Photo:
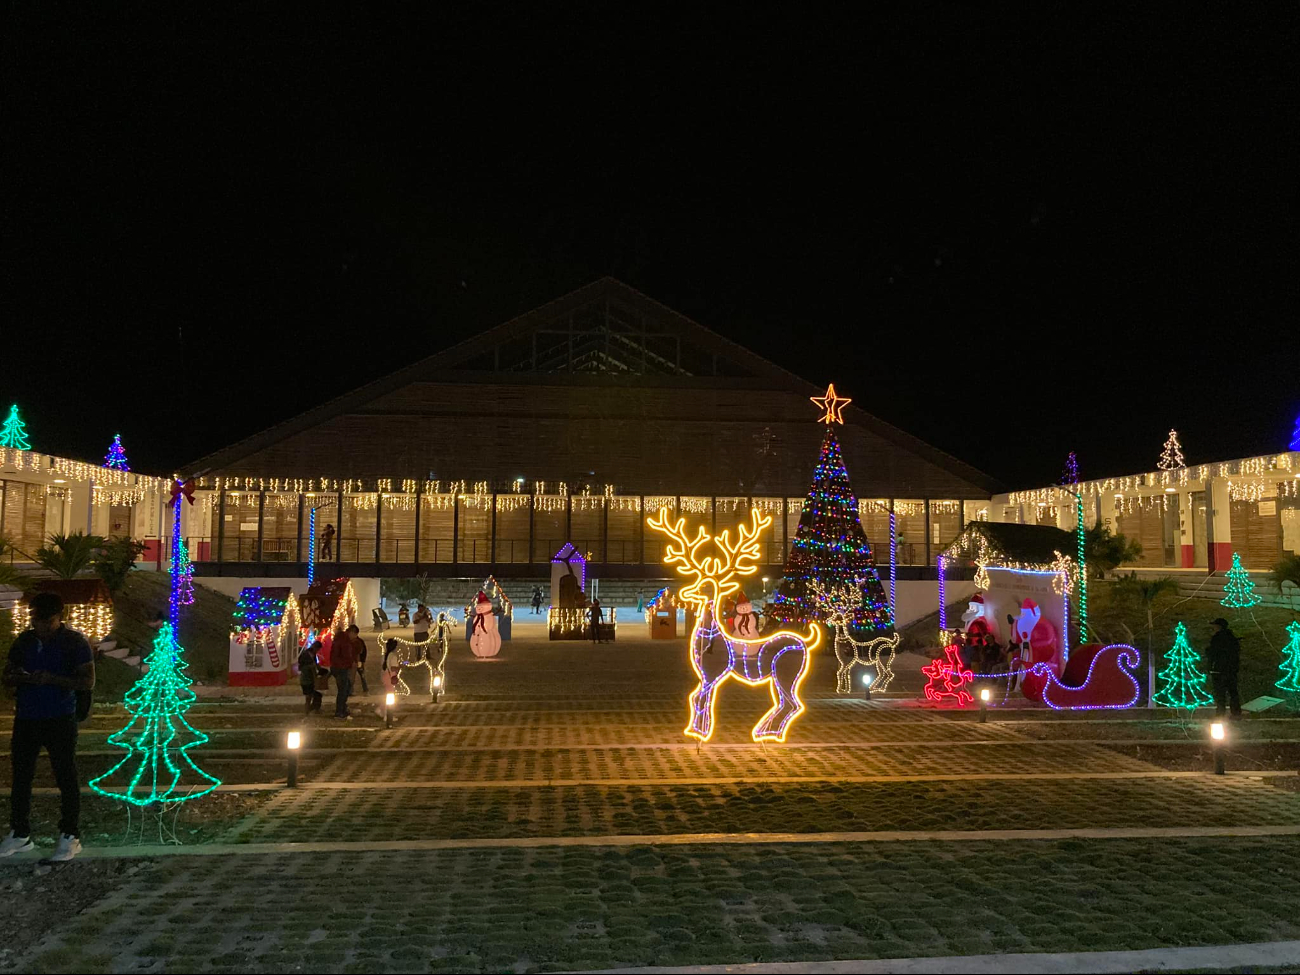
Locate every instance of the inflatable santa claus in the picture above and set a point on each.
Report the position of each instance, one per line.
(484, 640)
(1039, 644)
(978, 619)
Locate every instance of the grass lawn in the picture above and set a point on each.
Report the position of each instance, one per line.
(575, 909)
(204, 627)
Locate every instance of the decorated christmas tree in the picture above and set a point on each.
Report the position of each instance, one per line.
(13, 433)
(1290, 680)
(1182, 683)
(830, 545)
(116, 456)
(1172, 458)
(1071, 473)
(157, 767)
(1239, 593)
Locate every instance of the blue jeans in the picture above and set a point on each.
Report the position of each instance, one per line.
(343, 681)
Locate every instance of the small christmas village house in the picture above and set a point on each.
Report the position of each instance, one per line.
(263, 636)
(324, 608)
(87, 606)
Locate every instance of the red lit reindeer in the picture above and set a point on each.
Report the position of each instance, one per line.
(779, 660)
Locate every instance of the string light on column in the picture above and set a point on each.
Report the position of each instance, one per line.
(311, 548)
(943, 600)
(1080, 536)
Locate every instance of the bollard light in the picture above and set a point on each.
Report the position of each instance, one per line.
(437, 680)
(868, 678)
(1216, 731)
(985, 695)
(1216, 737)
(294, 744)
(389, 700)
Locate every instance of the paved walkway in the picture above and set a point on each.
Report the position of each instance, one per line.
(679, 839)
(1271, 953)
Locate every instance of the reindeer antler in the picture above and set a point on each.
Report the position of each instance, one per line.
(682, 554)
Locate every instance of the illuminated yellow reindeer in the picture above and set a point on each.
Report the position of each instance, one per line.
(779, 660)
(838, 604)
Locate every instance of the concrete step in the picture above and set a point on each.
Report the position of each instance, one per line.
(118, 653)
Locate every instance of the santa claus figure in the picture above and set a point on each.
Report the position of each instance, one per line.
(1039, 644)
(484, 639)
(746, 618)
(978, 619)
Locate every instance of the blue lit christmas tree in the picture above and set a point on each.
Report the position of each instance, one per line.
(830, 545)
(13, 433)
(116, 456)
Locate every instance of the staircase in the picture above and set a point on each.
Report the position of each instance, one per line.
(1195, 584)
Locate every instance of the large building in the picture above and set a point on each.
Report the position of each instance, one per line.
(566, 423)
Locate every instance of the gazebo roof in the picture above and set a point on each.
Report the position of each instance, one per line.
(1007, 543)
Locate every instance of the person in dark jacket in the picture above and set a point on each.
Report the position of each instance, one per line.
(1225, 659)
(308, 667)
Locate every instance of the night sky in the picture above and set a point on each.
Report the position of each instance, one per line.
(964, 219)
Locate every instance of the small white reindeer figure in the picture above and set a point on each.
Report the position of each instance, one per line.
(838, 605)
(779, 660)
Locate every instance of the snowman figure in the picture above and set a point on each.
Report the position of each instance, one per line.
(746, 618)
(484, 639)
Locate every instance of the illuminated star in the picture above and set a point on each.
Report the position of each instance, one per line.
(832, 404)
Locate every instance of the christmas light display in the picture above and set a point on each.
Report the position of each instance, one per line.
(1183, 684)
(1295, 435)
(263, 631)
(1071, 473)
(1290, 680)
(837, 607)
(13, 434)
(1172, 457)
(1081, 563)
(94, 619)
(949, 678)
(779, 660)
(1108, 685)
(1239, 593)
(830, 545)
(115, 459)
(832, 405)
(186, 570)
(430, 654)
(180, 490)
(155, 737)
(311, 550)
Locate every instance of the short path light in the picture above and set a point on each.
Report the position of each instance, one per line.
(390, 699)
(1216, 737)
(436, 684)
(985, 694)
(294, 743)
(868, 678)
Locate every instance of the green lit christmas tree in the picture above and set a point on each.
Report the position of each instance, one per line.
(157, 767)
(830, 545)
(1291, 660)
(1182, 683)
(13, 433)
(1239, 593)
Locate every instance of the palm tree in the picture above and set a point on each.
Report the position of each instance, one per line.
(1288, 570)
(67, 556)
(1146, 592)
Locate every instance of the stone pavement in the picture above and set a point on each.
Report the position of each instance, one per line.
(550, 815)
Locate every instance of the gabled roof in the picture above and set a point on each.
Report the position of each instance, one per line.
(999, 543)
(603, 328)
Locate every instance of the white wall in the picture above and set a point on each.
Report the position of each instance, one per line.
(917, 598)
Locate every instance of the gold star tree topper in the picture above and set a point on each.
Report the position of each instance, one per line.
(832, 404)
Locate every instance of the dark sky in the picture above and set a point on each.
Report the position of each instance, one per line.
(968, 220)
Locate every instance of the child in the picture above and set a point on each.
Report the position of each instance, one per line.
(307, 668)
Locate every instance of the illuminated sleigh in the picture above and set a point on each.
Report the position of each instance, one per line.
(1095, 677)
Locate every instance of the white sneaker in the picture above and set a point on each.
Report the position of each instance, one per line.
(67, 848)
(15, 844)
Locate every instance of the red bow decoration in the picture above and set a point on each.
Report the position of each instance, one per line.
(182, 488)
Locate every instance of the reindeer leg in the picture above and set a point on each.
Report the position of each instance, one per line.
(700, 725)
(788, 667)
(845, 655)
(884, 668)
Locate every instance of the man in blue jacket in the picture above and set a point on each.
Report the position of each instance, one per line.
(48, 664)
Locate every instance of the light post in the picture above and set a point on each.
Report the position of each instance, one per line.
(1216, 738)
(294, 745)
(390, 699)
(984, 705)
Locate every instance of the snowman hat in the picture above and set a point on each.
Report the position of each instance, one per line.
(482, 597)
(741, 597)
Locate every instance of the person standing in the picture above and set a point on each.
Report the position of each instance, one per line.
(327, 542)
(342, 662)
(48, 665)
(307, 669)
(1225, 662)
(422, 620)
(597, 617)
(537, 600)
(359, 646)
